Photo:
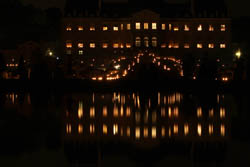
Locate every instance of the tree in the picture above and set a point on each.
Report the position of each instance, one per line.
(188, 66)
(2, 65)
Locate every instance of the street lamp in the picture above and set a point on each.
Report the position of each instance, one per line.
(238, 54)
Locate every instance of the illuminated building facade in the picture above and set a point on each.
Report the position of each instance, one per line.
(102, 32)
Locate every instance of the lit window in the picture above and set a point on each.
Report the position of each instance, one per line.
(80, 28)
(163, 131)
(68, 28)
(128, 45)
(116, 45)
(146, 26)
(186, 45)
(115, 28)
(105, 28)
(163, 45)
(199, 28)
(68, 45)
(170, 27)
(92, 28)
(122, 27)
(121, 46)
(154, 26)
(115, 112)
(137, 133)
(146, 41)
(138, 42)
(80, 52)
(211, 28)
(128, 131)
(105, 129)
(80, 45)
(92, 45)
(80, 129)
(163, 26)
(222, 45)
(211, 113)
(199, 129)
(137, 26)
(154, 132)
(199, 45)
(154, 42)
(154, 117)
(128, 26)
(105, 45)
(186, 28)
(176, 45)
(223, 27)
(171, 45)
(176, 28)
(211, 45)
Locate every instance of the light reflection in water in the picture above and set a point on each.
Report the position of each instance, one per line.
(139, 117)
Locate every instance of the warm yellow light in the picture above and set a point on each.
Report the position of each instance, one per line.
(223, 27)
(163, 45)
(137, 26)
(186, 46)
(238, 54)
(80, 28)
(199, 28)
(176, 28)
(100, 78)
(223, 46)
(186, 28)
(128, 112)
(80, 45)
(80, 129)
(145, 132)
(199, 129)
(186, 129)
(145, 26)
(105, 129)
(154, 26)
(128, 26)
(222, 112)
(170, 27)
(68, 28)
(116, 45)
(199, 112)
(163, 131)
(92, 45)
(163, 26)
(115, 28)
(105, 28)
(105, 45)
(92, 28)
(211, 45)
(222, 130)
(210, 129)
(128, 45)
(68, 128)
(92, 128)
(176, 129)
(80, 110)
(92, 112)
(154, 132)
(211, 28)
(199, 46)
(115, 129)
(68, 45)
(137, 133)
(128, 131)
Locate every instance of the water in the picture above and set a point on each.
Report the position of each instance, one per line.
(124, 129)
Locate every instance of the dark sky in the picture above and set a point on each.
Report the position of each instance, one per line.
(236, 7)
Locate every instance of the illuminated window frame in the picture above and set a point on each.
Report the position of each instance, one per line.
(80, 52)
(154, 26)
(80, 45)
(68, 28)
(91, 28)
(138, 42)
(128, 45)
(69, 45)
(105, 45)
(186, 45)
(176, 28)
(146, 26)
(128, 26)
(116, 28)
(199, 28)
(210, 45)
(163, 26)
(223, 27)
(154, 41)
(137, 25)
(210, 28)
(92, 45)
(80, 28)
(186, 27)
(199, 45)
(222, 45)
(105, 28)
(116, 45)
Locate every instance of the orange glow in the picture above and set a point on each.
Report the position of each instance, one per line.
(80, 110)
(199, 28)
(186, 46)
(163, 26)
(154, 132)
(68, 28)
(128, 131)
(186, 28)
(105, 129)
(105, 28)
(199, 129)
(146, 26)
(223, 27)
(80, 45)
(115, 28)
(210, 129)
(199, 112)
(92, 128)
(68, 45)
(104, 111)
(176, 28)
(211, 28)
(92, 112)
(116, 45)
(80, 28)
(222, 46)
(137, 133)
(186, 129)
(68, 128)
(105, 45)
(128, 112)
(222, 130)
(92, 28)
(154, 26)
(211, 45)
(145, 132)
(163, 131)
(176, 129)
(222, 112)
(80, 129)
(115, 129)
(199, 46)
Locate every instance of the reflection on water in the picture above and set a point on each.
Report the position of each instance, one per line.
(136, 118)
(141, 126)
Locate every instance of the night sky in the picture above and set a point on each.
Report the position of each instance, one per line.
(237, 7)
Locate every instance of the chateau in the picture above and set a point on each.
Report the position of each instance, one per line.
(100, 34)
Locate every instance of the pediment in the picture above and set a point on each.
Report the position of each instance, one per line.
(146, 14)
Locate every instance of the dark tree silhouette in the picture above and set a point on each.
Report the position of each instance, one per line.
(240, 69)
(208, 69)
(21, 69)
(2, 65)
(188, 66)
